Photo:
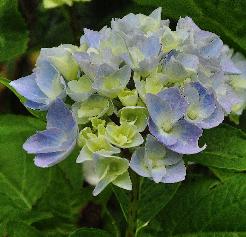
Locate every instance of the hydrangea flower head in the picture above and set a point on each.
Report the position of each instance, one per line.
(134, 96)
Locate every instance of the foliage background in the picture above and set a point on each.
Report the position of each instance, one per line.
(56, 201)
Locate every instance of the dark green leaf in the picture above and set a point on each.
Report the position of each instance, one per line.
(205, 205)
(226, 148)
(89, 232)
(20, 180)
(13, 34)
(20, 229)
(213, 234)
(153, 198)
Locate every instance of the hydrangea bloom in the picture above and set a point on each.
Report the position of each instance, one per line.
(141, 94)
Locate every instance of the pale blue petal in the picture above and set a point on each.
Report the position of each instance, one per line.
(213, 49)
(50, 140)
(92, 38)
(215, 119)
(167, 139)
(150, 47)
(229, 67)
(49, 80)
(84, 61)
(137, 163)
(187, 136)
(34, 105)
(27, 87)
(175, 173)
(59, 116)
(175, 100)
(160, 111)
(172, 158)
(45, 160)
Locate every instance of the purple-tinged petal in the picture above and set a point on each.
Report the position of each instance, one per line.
(172, 158)
(27, 87)
(165, 138)
(201, 102)
(229, 67)
(175, 173)
(167, 107)
(59, 116)
(175, 100)
(45, 160)
(49, 80)
(187, 136)
(215, 119)
(92, 38)
(213, 49)
(151, 47)
(160, 111)
(50, 140)
(137, 163)
(34, 105)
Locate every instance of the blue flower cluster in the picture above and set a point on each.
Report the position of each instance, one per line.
(137, 88)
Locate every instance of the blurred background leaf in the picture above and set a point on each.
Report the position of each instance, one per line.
(13, 33)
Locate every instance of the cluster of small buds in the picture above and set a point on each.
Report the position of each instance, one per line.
(134, 96)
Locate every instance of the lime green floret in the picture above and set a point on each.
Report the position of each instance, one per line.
(134, 115)
(94, 106)
(128, 97)
(84, 135)
(112, 169)
(124, 136)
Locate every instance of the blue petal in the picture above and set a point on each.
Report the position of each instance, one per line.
(175, 173)
(213, 49)
(34, 105)
(229, 67)
(137, 163)
(163, 137)
(92, 38)
(187, 136)
(215, 119)
(84, 61)
(45, 160)
(49, 80)
(151, 47)
(205, 100)
(59, 116)
(27, 87)
(160, 111)
(175, 100)
(50, 140)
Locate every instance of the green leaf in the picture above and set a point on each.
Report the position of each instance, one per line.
(20, 180)
(213, 234)
(226, 148)
(51, 198)
(220, 17)
(89, 232)
(203, 204)
(20, 229)
(13, 34)
(38, 114)
(153, 197)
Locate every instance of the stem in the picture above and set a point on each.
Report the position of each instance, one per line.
(133, 205)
